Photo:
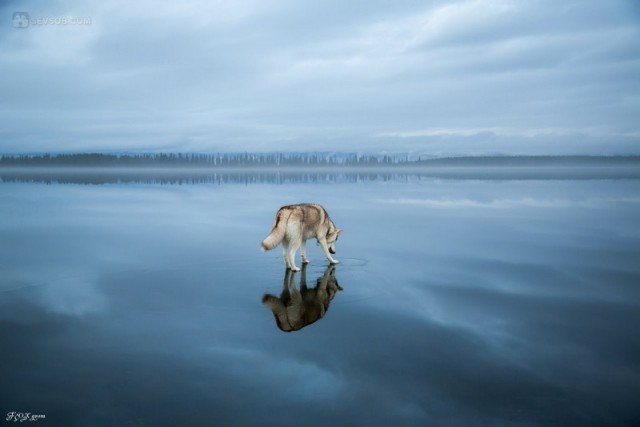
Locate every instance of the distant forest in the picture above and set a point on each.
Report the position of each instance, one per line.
(239, 160)
(199, 159)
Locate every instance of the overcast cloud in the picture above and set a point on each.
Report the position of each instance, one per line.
(437, 77)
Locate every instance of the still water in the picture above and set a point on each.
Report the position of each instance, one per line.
(457, 302)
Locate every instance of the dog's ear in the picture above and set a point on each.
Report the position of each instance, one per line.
(338, 231)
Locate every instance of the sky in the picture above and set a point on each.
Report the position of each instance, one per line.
(428, 77)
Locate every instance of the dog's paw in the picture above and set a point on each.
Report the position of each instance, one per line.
(334, 261)
(294, 269)
(305, 261)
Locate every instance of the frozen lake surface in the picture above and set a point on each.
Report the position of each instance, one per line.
(464, 301)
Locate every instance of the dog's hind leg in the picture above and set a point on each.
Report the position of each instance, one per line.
(292, 256)
(285, 254)
(303, 252)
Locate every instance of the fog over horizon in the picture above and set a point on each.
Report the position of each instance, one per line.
(459, 77)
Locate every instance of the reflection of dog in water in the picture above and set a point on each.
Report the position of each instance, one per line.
(296, 309)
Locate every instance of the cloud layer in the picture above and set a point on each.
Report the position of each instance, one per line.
(468, 76)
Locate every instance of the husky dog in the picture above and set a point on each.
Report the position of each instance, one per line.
(297, 223)
(295, 309)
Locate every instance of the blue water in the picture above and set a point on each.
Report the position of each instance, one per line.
(463, 302)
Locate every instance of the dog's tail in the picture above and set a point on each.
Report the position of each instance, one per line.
(277, 234)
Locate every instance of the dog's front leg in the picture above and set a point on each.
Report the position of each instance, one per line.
(325, 249)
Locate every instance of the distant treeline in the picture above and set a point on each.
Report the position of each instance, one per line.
(233, 160)
(198, 159)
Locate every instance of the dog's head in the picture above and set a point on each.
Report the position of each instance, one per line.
(332, 238)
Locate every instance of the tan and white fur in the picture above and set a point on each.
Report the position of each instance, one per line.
(294, 225)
